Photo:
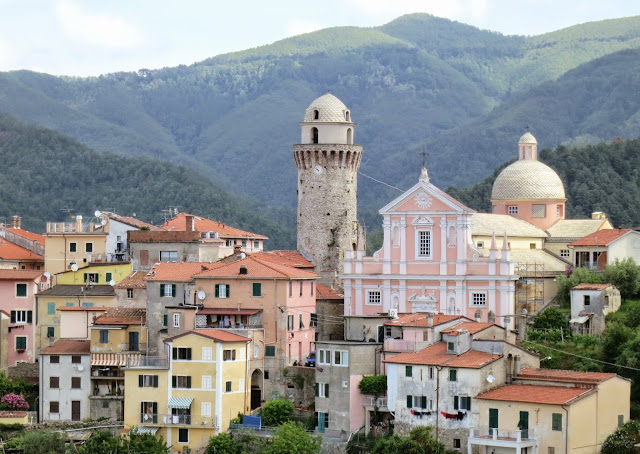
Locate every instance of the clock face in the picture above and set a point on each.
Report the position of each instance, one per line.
(318, 169)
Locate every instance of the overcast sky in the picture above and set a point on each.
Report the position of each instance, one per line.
(91, 37)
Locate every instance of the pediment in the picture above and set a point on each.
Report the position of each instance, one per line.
(424, 197)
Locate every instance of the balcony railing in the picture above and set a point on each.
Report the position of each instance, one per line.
(153, 362)
(164, 419)
(371, 401)
(484, 433)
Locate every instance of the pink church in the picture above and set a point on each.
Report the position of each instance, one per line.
(428, 263)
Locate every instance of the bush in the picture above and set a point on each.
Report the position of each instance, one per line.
(15, 402)
(291, 438)
(373, 384)
(223, 444)
(551, 319)
(276, 412)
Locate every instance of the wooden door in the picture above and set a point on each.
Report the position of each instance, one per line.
(75, 410)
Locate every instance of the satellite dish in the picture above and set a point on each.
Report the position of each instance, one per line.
(201, 295)
(80, 367)
(97, 213)
(112, 282)
(243, 255)
(47, 274)
(74, 267)
(103, 222)
(491, 378)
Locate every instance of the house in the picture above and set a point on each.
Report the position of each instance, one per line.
(550, 411)
(590, 303)
(194, 393)
(329, 317)
(566, 231)
(117, 249)
(150, 247)
(76, 321)
(132, 290)
(604, 247)
(65, 368)
(15, 234)
(13, 256)
(97, 273)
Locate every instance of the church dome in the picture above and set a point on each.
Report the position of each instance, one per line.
(527, 179)
(527, 138)
(327, 108)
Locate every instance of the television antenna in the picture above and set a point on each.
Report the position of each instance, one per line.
(67, 210)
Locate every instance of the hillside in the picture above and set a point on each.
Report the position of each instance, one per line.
(463, 93)
(44, 171)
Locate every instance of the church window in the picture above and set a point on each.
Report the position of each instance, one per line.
(559, 211)
(478, 299)
(374, 298)
(316, 114)
(512, 209)
(349, 137)
(314, 135)
(539, 211)
(347, 116)
(424, 244)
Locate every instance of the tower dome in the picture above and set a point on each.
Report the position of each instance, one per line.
(327, 121)
(327, 108)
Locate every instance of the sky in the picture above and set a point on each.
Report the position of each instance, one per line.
(93, 37)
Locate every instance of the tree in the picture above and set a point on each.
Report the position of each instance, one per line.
(276, 412)
(419, 441)
(551, 318)
(144, 444)
(101, 442)
(578, 276)
(223, 444)
(622, 441)
(373, 384)
(41, 442)
(625, 275)
(291, 438)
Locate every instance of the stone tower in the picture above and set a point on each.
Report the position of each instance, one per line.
(328, 163)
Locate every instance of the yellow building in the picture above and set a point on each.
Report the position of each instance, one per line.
(96, 273)
(194, 393)
(551, 411)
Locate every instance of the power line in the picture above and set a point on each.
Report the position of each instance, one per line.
(381, 182)
(584, 357)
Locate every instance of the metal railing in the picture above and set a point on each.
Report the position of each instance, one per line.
(501, 433)
(164, 419)
(155, 362)
(371, 401)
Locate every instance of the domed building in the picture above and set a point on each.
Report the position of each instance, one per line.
(529, 189)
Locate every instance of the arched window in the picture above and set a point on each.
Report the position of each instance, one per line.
(349, 137)
(347, 116)
(314, 135)
(316, 114)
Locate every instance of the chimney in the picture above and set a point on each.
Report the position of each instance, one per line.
(16, 222)
(78, 223)
(516, 365)
(189, 223)
(430, 319)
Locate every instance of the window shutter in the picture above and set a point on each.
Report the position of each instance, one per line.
(469, 403)
(409, 401)
(140, 381)
(175, 353)
(173, 289)
(174, 381)
(85, 277)
(155, 381)
(188, 353)
(455, 402)
(29, 317)
(317, 389)
(423, 402)
(326, 390)
(109, 277)
(141, 407)
(161, 289)
(189, 382)
(228, 290)
(97, 277)
(165, 319)
(13, 316)
(217, 290)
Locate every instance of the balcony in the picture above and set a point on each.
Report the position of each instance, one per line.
(164, 419)
(371, 401)
(499, 437)
(149, 362)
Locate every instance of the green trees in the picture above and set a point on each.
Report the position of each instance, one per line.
(223, 444)
(104, 443)
(622, 441)
(373, 384)
(419, 441)
(551, 318)
(291, 438)
(625, 275)
(566, 283)
(276, 412)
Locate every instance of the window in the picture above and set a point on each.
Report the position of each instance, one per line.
(559, 211)
(408, 371)
(300, 323)
(450, 347)
(539, 211)
(256, 244)
(21, 317)
(205, 409)
(147, 381)
(165, 320)
(206, 382)
(620, 420)
(424, 243)
(227, 386)
(207, 353)
(181, 381)
(76, 359)
(54, 359)
(478, 299)
(532, 245)
(453, 374)
(493, 418)
(419, 401)
(228, 355)
(324, 357)
(54, 382)
(108, 277)
(129, 293)
(374, 298)
(76, 382)
(587, 300)
(266, 375)
(104, 336)
(54, 407)
(176, 320)
(257, 289)
(51, 332)
(316, 114)
(564, 253)
(51, 308)
(21, 290)
(512, 209)
(556, 421)
(551, 450)
(314, 320)
(456, 444)
(321, 419)
(149, 412)
(312, 287)
(322, 389)
(256, 350)
(341, 358)
(222, 290)
(168, 290)
(88, 247)
(183, 435)
(301, 288)
(168, 256)
(430, 373)
(461, 403)
(181, 353)
(270, 350)
(290, 322)
(73, 247)
(21, 342)
(244, 243)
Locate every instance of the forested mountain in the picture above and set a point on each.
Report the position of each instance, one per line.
(603, 177)
(44, 171)
(463, 93)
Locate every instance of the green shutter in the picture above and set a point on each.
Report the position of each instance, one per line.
(556, 421)
(189, 381)
(85, 278)
(161, 289)
(317, 389)
(175, 353)
(155, 381)
(326, 390)
(13, 316)
(270, 350)
(423, 402)
(29, 317)
(217, 290)
(174, 381)
(257, 289)
(455, 403)
(409, 401)
(165, 319)
(453, 375)
(228, 290)
(51, 308)
(173, 290)
(408, 371)
(188, 353)
(469, 403)
(109, 277)
(493, 418)
(140, 381)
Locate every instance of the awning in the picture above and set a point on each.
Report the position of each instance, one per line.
(115, 359)
(580, 320)
(180, 402)
(144, 430)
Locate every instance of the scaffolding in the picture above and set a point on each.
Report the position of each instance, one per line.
(530, 287)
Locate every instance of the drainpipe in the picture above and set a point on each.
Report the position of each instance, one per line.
(438, 368)
(566, 435)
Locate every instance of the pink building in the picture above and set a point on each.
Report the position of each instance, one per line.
(428, 263)
(17, 298)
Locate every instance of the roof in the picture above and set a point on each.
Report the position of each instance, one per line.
(527, 138)
(179, 222)
(177, 271)
(134, 280)
(28, 235)
(79, 290)
(436, 355)
(539, 394)
(575, 228)
(565, 376)
(122, 316)
(486, 224)
(10, 251)
(552, 263)
(218, 335)
(601, 237)
(256, 268)
(422, 320)
(68, 346)
(587, 286)
(129, 220)
(330, 109)
(528, 179)
(29, 275)
(324, 292)
(288, 258)
(468, 327)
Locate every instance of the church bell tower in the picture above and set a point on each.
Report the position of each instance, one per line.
(328, 162)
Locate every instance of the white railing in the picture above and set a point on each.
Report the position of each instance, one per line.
(495, 433)
(371, 401)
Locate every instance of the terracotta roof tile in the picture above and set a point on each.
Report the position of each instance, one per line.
(81, 308)
(422, 320)
(201, 224)
(436, 355)
(256, 268)
(177, 271)
(68, 346)
(601, 237)
(28, 235)
(288, 258)
(327, 293)
(79, 290)
(471, 327)
(566, 376)
(134, 280)
(538, 394)
(587, 286)
(218, 335)
(20, 274)
(13, 414)
(122, 316)
(10, 251)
